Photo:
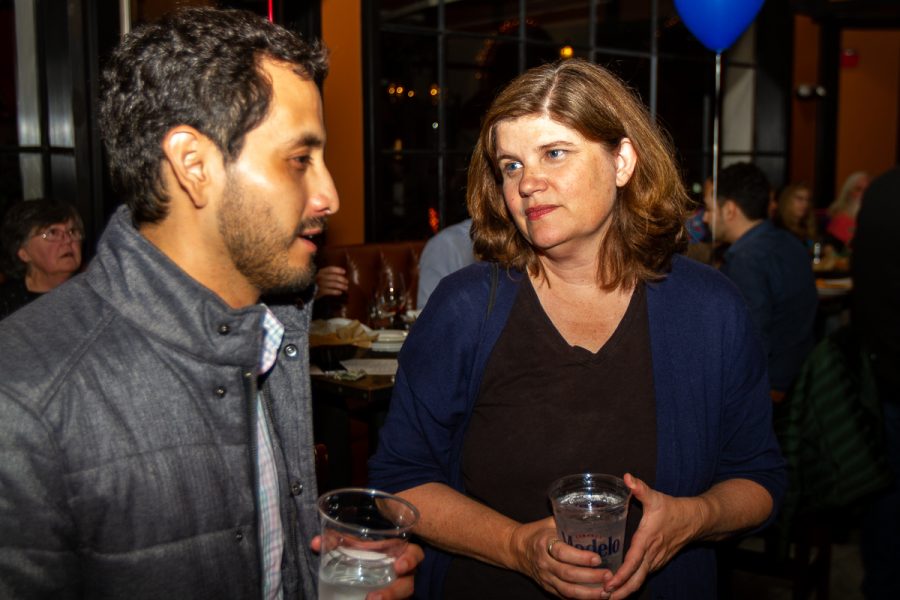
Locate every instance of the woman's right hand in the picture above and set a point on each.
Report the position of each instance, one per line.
(560, 569)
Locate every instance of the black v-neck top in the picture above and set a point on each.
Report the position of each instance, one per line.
(547, 409)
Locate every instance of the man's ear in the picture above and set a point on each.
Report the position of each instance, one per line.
(23, 255)
(192, 158)
(729, 208)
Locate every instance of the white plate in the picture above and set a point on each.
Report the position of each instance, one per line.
(339, 322)
(391, 335)
(386, 346)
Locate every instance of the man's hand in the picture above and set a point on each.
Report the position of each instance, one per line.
(404, 566)
(331, 281)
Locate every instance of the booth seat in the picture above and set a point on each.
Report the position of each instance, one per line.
(364, 264)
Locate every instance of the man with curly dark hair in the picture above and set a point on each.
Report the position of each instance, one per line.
(155, 417)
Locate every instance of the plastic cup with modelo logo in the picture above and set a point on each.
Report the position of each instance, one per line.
(363, 533)
(590, 511)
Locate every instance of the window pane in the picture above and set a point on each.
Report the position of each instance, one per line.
(498, 17)
(560, 21)
(469, 88)
(456, 171)
(634, 71)
(674, 37)
(10, 181)
(540, 54)
(685, 108)
(408, 12)
(406, 113)
(407, 187)
(624, 24)
(8, 113)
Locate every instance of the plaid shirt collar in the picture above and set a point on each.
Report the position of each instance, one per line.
(273, 332)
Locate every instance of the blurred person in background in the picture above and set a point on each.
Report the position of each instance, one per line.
(41, 249)
(770, 267)
(842, 212)
(448, 251)
(794, 213)
(876, 319)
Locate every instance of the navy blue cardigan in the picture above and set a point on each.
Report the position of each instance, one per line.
(713, 410)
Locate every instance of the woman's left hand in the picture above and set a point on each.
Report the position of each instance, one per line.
(667, 525)
(404, 566)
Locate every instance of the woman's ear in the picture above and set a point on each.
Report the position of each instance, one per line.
(191, 157)
(626, 160)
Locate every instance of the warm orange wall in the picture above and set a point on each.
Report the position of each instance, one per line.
(342, 33)
(868, 104)
(803, 112)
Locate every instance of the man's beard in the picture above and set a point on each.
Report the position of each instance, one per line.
(258, 245)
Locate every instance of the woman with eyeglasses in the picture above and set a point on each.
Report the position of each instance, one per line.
(41, 249)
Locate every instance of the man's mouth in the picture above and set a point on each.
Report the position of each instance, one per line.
(312, 230)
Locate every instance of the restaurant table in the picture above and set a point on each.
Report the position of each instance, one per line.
(835, 291)
(347, 416)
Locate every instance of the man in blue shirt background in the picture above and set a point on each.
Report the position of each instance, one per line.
(770, 267)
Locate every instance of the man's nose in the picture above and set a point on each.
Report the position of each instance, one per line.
(323, 194)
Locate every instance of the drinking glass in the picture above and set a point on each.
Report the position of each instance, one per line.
(363, 533)
(390, 298)
(590, 511)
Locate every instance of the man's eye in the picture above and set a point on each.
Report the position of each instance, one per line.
(301, 162)
(556, 153)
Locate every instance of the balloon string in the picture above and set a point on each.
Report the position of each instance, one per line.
(715, 145)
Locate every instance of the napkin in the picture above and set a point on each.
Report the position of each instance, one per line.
(340, 332)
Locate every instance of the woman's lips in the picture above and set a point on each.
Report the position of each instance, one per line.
(536, 212)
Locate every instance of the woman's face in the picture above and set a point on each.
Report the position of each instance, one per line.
(559, 187)
(798, 206)
(859, 187)
(52, 258)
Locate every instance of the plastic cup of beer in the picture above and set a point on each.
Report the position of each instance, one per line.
(590, 511)
(363, 533)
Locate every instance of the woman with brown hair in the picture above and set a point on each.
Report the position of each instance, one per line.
(582, 343)
(795, 213)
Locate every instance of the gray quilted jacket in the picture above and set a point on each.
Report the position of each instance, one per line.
(127, 464)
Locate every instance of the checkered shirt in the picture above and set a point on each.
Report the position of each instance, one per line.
(271, 534)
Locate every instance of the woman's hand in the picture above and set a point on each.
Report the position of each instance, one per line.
(667, 525)
(331, 281)
(404, 566)
(559, 568)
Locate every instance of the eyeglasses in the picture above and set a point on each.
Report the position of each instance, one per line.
(59, 234)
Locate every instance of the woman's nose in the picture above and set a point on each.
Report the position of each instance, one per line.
(532, 181)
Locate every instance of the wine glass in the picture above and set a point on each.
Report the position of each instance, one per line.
(390, 297)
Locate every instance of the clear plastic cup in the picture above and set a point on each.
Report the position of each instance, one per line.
(590, 511)
(363, 533)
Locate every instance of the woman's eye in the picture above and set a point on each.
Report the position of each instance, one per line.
(556, 153)
(511, 167)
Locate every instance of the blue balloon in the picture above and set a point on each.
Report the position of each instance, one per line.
(718, 23)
